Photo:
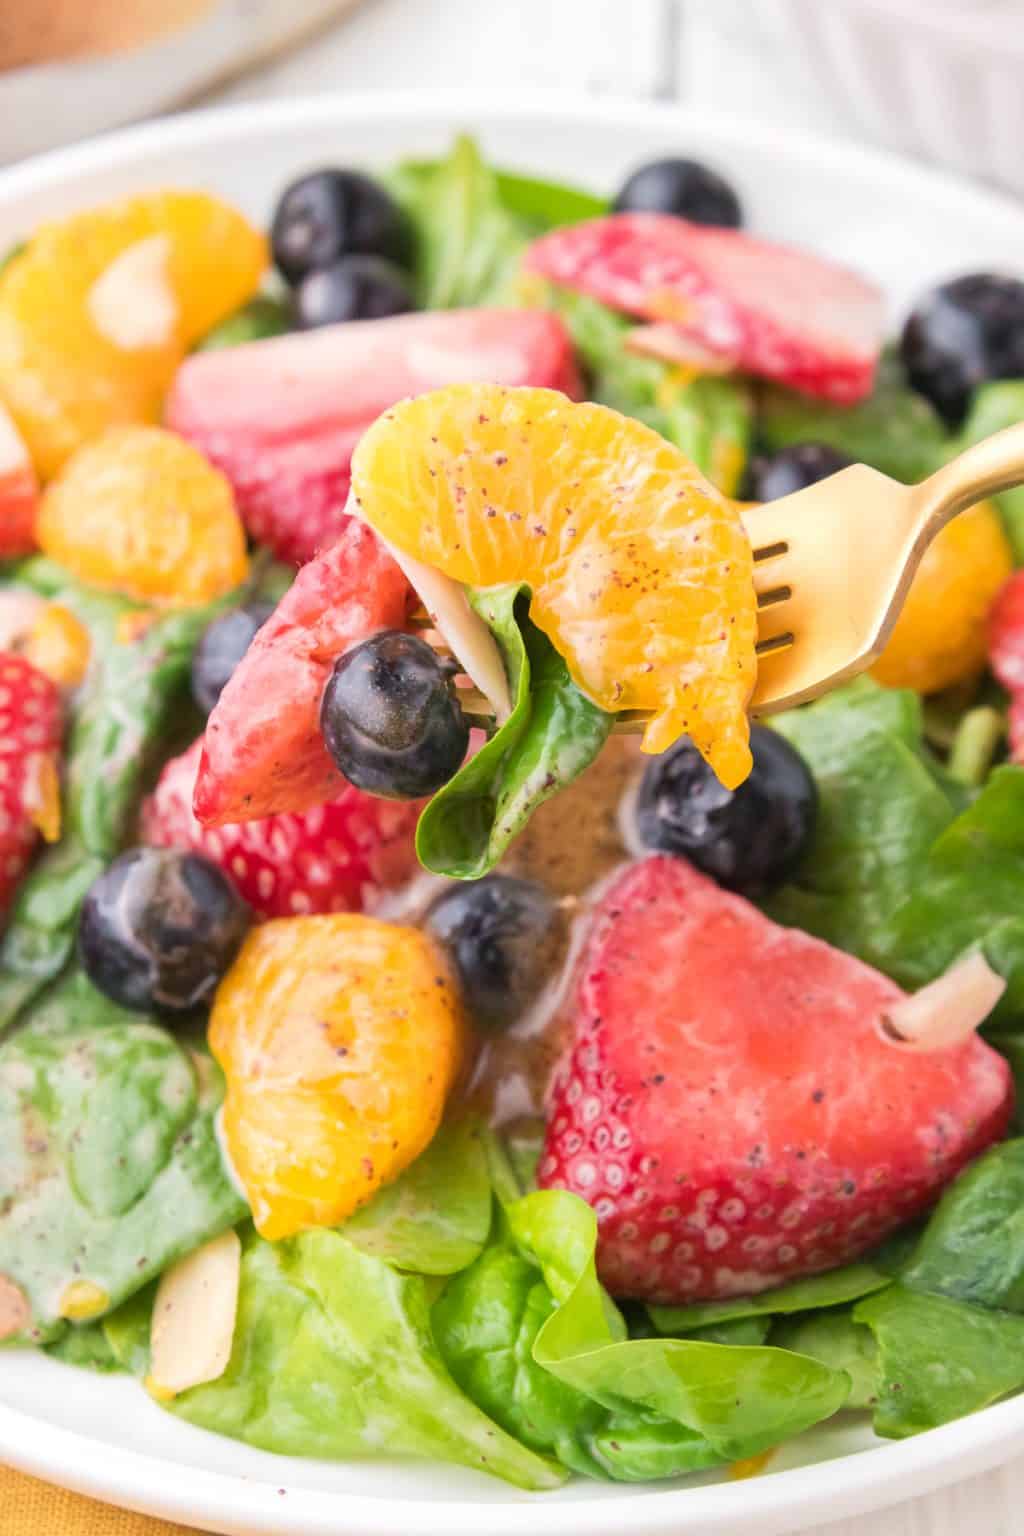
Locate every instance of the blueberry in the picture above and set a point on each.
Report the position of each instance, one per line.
(334, 213)
(748, 839)
(683, 187)
(221, 647)
(500, 933)
(391, 719)
(159, 928)
(961, 335)
(792, 469)
(354, 288)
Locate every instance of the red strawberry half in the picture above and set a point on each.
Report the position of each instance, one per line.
(769, 309)
(338, 857)
(729, 1106)
(263, 752)
(30, 732)
(281, 417)
(1006, 655)
(19, 492)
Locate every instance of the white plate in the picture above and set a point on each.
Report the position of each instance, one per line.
(904, 225)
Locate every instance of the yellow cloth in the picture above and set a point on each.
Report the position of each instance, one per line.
(31, 1508)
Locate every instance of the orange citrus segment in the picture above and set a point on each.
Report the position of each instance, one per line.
(98, 311)
(142, 512)
(340, 1038)
(58, 645)
(641, 573)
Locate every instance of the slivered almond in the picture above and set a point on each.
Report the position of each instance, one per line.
(947, 1011)
(194, 1318)
(132, 302)
(15, 1312)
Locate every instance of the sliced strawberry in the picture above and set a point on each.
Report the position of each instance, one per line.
(772, 310)
(30, 732)
(263, 752)
(281, 417)
(19, 492)
(1006, 655)
(729, 1105)
(338, 857)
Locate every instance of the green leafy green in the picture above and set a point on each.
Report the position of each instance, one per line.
(126, 1330)
(468, 243)
(973, 1246)
(994, 407)
(123, 713)
(435, 1217)
(894, 430)
(838, 1342)
(109, 1164)
(86, 1346)
(543, 205)
(334, 1357)
(938, 1359)
(258, 320)
(828, 1290)
(709, 419)
(895, 875)
(531, 1335)
(552, 734)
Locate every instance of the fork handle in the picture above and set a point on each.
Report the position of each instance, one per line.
(993, 465)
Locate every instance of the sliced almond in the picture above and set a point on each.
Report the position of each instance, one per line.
(471, 642)
(194, 1318)
(15, 1312)
(949, 1010)
(132, 302)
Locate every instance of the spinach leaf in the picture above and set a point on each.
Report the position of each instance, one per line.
(468, 243)
(895, 875)
(938, 1359)
(828, 1290)
(973, 1246)
(994, 407)
(86, 1346)
(544, 204)
(109, 1164)
(334, 1357)
(530, 1334)
(894, 430)
(553, 733)
(709, 419)
(435, 1217)
(838, 1342)
(123, 712)
(126, 1331)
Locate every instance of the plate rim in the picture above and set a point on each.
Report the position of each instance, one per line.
(786, 1500)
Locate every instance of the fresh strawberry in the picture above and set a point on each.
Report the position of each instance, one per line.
(338, 857)
(729, 1105)
(263, 752)
(769, 309)
(30, 731)
(1006, 655)
(281, 417)
(19, 492)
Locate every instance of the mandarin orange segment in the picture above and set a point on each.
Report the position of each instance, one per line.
(142, 512)
(98, 311)
(340, 1038)
(642, 575)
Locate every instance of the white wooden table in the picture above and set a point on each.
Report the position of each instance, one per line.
(640, 48)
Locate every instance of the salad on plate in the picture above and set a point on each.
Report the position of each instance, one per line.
(434, 1021)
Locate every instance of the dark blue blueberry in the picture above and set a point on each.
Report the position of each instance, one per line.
(502, 934)
(221, 647)
(792, 469)
(159, 928)
(391, 719)
(749, 839)
(354, 288)
(332, 213)
(686, 188)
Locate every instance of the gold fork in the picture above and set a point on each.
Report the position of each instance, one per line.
(832, 568)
